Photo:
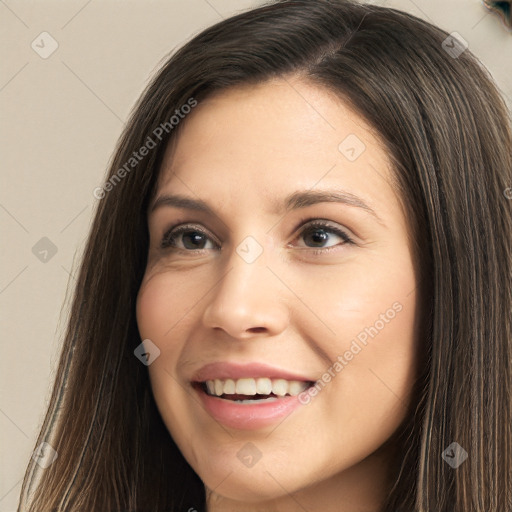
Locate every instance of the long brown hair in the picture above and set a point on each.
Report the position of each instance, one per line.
(447, 131)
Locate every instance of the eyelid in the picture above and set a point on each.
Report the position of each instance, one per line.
(180, 227)
(308, 222)
(302, 227)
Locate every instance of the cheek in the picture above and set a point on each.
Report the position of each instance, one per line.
(371, 312)
(149, 309)
(159, 310)
(162, 307)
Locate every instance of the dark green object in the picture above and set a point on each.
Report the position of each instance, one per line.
(503, 9)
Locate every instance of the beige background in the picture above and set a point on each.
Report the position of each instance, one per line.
(61, 117)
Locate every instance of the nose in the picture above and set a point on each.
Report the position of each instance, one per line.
(248, 300)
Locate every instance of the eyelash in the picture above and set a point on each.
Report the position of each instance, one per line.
(170, 236)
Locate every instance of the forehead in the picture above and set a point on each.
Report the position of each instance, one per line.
(258, 143)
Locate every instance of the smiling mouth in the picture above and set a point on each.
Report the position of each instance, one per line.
(252, 390)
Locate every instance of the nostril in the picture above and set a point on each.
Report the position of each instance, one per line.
(257, 329)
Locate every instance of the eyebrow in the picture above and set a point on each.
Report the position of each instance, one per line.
(294, 201)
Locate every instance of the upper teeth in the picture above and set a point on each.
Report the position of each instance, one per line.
(261, 386)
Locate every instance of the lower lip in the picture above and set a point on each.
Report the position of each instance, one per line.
(248, 416)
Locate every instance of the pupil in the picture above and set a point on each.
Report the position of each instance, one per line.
(193, 235)
(319, 236)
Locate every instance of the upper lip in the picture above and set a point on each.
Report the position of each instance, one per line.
(226, 370)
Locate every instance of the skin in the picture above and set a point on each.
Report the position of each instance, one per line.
(243, 150)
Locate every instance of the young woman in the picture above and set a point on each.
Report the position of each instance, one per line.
(296, 291)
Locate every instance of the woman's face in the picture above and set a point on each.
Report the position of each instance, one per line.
(253, 296)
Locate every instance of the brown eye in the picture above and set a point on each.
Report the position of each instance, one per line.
(191, 238)
(319, 233)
